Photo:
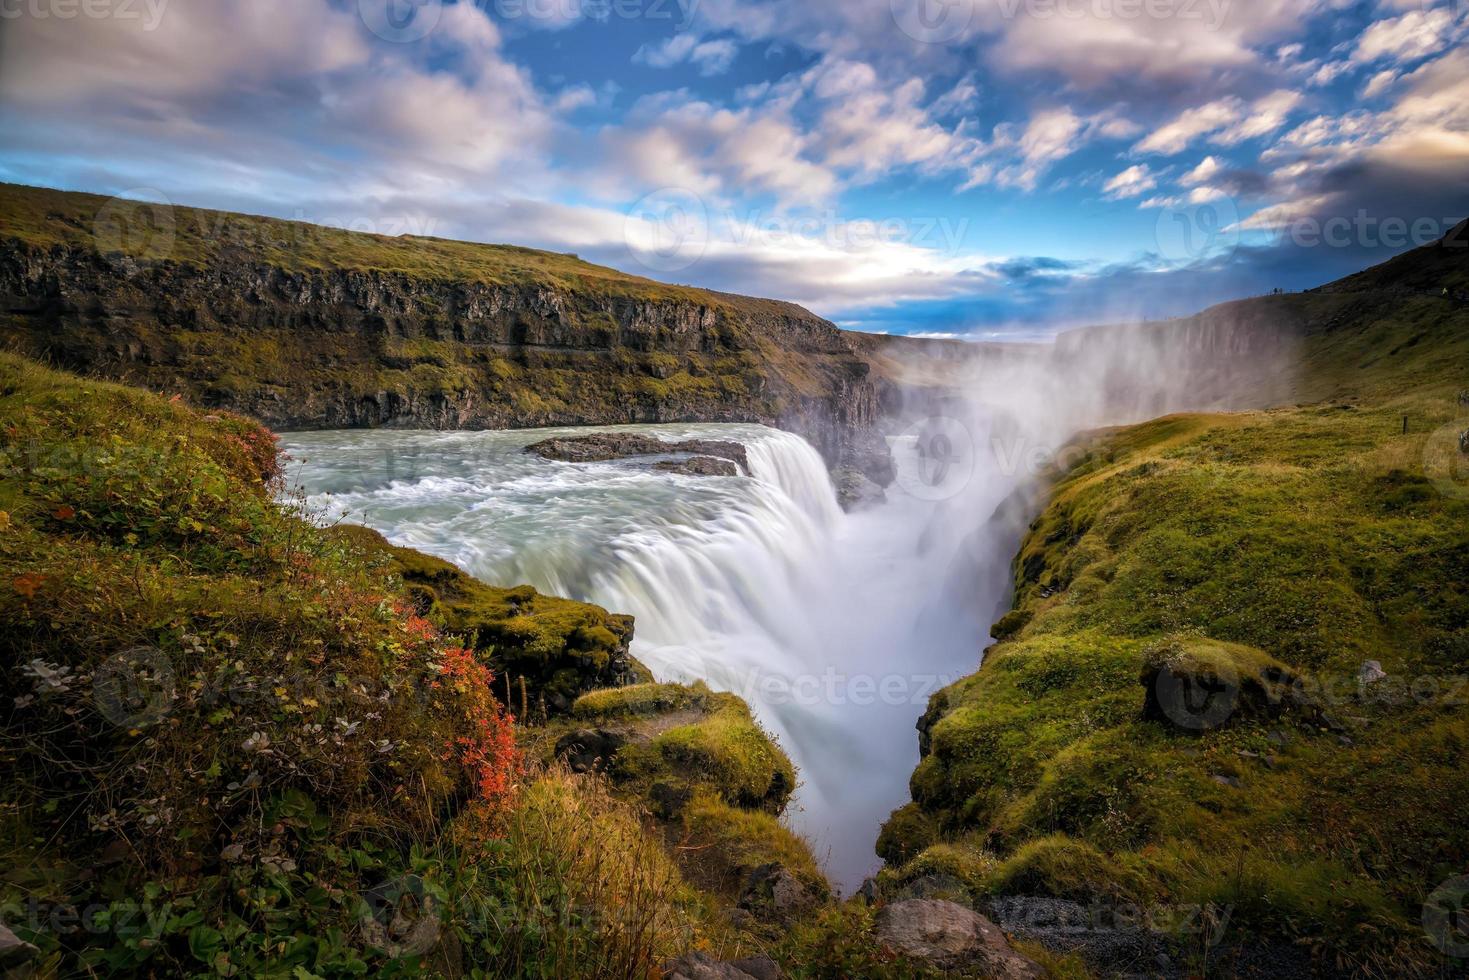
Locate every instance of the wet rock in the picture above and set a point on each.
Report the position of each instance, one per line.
(950, 936)
(855, 491)
(702, 966)
(601, 447)
(589, 748)
(14, 951)
(773, 892)
(699, 466)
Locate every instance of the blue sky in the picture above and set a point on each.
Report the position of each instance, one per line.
(978, 168)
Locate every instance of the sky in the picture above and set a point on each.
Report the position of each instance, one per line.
(987, 169)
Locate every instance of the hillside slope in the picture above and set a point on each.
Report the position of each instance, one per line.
(239, 744)
(303, 326)
(1186, 708)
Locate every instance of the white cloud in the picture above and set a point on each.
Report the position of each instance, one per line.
(1206, 171)
(1416, 34)
(1379, 83)
(1225, 121)
(710, 57)
(1264, 117)
(1132, 182)
(1191, 124)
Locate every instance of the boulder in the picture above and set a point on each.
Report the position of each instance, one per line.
(855, 491)
(14, 951)
(589, 748)
(702, 966)
(952, 937)
(699, 466)
(1371, 673)
(601, 447)
(773, 892)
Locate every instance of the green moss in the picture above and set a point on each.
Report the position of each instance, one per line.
(640, 699)
(560, 647)
(720, 845)
(908, 831)
(1262, 557)
(725, 750)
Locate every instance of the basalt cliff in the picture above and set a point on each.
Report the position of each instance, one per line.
(308, 327)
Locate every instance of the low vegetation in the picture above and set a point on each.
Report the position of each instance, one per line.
(1185, 706)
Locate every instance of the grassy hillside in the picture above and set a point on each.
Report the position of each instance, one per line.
(236, 744)
(1176, 712)
(45, 218)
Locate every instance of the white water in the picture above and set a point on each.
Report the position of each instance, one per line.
(837, 628)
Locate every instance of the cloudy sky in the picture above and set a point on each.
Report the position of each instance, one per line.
(986, 168)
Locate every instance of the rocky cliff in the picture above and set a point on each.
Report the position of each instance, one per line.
(308, 327)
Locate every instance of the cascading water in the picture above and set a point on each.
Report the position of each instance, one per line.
(836, 628)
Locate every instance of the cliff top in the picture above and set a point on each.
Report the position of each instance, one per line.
(45, 218)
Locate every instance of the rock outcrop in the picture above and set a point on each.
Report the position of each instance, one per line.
(952, 937)
(305, 327)
(604, 446)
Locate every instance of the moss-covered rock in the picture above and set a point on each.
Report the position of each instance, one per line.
(561, 648)
(904, 834)
(678, 742)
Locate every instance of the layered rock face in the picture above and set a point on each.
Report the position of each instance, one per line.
(419, 334)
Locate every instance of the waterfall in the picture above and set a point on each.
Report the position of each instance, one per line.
(835, 628)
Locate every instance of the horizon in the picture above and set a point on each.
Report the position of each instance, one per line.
(997, 170)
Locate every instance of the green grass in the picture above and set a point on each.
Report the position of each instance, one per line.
(231, 736)
(1277, 550)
